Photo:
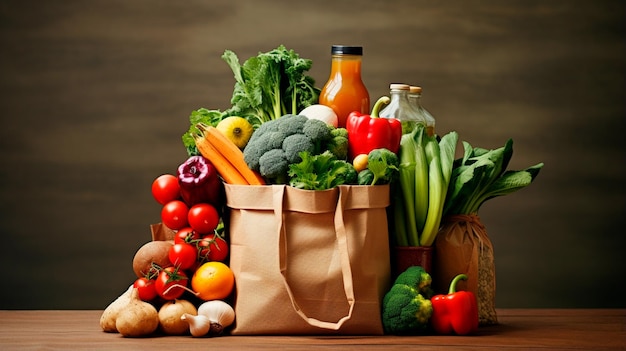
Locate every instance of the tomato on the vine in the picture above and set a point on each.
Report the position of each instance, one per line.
(145, 289)
(171, 283)
(165, 188)
(183, 255)
(212, 247)
(186, 235)
(203, 218)
(174, 214)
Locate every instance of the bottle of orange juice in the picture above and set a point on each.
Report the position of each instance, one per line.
(345, 92)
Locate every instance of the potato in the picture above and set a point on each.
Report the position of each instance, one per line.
(108, 317)
(152, 251)
(169, 316)
(138, 318)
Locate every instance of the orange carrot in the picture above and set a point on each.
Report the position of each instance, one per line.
(231, 152)
(225, 169)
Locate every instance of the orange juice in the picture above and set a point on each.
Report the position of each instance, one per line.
(345, 92)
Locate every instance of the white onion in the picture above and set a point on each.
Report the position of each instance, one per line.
(321, 112)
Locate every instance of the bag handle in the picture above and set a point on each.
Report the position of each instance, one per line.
(344, 256)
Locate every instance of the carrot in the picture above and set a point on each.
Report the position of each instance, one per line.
(226, 170)
(230, 152)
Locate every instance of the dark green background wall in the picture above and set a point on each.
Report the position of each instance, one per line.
(94, 96)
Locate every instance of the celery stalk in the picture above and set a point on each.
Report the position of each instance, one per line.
(420, 195)
(399, 223)
(437, 189)
(407, 185)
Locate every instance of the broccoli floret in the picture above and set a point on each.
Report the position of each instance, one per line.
(318, 131)
(262, 143)
(405, 310)
(294, 144)
(338, 143)
(291, 124)
(417, 277)
(274, 165)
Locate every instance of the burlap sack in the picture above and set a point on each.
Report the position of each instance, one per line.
(463, 246)
(308, 262)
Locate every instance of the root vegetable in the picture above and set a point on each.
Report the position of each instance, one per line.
(170, 314)
(151, 252)
(138, 318)
(108, 317)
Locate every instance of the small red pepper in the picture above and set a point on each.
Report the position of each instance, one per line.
(368, 132)
(455, 313)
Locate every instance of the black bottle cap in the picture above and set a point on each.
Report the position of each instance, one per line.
(346, 50)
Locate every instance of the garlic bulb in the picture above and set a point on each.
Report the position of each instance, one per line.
(221, 315)
(198, 325)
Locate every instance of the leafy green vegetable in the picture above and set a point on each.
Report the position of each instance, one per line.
(271, 84)
(267, 86)
(383, 164)
(481, 175)
(320, 172)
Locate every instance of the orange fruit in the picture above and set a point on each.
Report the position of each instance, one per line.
(213, 281)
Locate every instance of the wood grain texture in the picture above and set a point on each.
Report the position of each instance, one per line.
(548, 329)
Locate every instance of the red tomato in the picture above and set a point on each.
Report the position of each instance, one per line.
(183, 255)
(145, 289)
(212, 247)
(203, 218)
(165, 188)
(186, 235)
(171, 283)
(174, 214)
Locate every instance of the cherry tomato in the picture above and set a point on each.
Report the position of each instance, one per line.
(186, 235)
(203, 218)
(165, 188)
(145, 289)
(183, 255)
(212, 247)
(171, 283)
(174, 214)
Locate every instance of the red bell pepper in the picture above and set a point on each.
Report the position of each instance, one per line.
(368, 132)
(455, 313)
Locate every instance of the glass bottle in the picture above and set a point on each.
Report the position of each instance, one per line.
(400, 107)
(415, 93)
(345, 91)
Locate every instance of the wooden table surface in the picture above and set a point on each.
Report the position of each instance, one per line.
(547, 329)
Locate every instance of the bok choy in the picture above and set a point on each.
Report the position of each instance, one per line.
(481, 175)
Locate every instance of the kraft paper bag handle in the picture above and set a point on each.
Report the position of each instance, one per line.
(344, 257)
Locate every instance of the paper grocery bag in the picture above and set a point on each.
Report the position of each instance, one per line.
(463, 246)
(308, 262)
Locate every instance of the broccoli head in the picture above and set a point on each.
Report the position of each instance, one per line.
(291, 135)
(418, 278)
(405, 311)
